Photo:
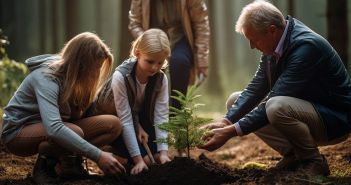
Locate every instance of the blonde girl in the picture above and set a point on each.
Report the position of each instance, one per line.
(140, 91)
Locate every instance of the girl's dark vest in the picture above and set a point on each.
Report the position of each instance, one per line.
(145, 116)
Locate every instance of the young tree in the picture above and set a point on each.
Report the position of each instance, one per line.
(183, 127)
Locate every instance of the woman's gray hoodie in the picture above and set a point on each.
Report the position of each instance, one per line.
(36, 101)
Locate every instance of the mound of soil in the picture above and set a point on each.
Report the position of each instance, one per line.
(182, 171)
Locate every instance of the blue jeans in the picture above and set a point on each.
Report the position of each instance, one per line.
(181, 62)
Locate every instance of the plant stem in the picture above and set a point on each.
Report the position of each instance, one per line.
(187, 141)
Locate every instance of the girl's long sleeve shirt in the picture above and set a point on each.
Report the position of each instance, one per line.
(124, 111)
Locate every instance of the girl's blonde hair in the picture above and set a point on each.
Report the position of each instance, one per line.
(78, 71)
(152, 41)
(259, 14)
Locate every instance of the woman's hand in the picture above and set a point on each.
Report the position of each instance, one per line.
(162, 157)
(139, 166)
(109, 164)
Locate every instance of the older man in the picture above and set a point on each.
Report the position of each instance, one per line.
(299, 98)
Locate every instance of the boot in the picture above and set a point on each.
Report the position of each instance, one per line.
(317, 166)
(71, 166)
(288, 162)
(44, 170)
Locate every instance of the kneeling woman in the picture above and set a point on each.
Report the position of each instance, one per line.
(44, 115)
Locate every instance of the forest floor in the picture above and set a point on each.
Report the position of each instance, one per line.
(242, 160)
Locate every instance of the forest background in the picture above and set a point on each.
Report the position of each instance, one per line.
(35, 27)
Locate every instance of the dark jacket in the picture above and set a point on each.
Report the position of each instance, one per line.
(309, 69)
(153, 87)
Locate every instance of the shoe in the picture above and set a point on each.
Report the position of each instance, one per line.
(71, 167)
(289, 162)
(317, 166)
(44, 170)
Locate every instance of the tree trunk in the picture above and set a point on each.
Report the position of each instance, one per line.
(72, 7)
(338, 27)
(214, 86)
(125, 37)
(228, 37)
(98, 17)
(43, 26)
(291, 7)
(54, 24)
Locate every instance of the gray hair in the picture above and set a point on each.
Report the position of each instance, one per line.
(259, 14)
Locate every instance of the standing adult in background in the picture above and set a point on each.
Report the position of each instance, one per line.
(186, 24)
(299, 98)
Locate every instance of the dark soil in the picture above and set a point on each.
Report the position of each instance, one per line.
(244, 160)
(182, 171)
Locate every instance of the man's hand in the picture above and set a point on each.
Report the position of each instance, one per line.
(217, 124)
(109, 164)
(217, 137)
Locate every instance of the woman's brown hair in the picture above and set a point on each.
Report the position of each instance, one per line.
(86, 64)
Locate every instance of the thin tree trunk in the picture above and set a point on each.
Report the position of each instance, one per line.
(291, 7)
(214, 86)
(228, 35)
(125, 37)
(338, 27)
(98, 17)
(42, 26)
(71, 18)
(54, 24)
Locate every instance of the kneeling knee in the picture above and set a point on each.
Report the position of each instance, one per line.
(231, 99)
(275, 108)
(115, 125)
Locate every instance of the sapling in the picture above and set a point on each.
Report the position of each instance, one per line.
(183, 127)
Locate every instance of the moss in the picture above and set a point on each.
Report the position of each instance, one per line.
(254, 165)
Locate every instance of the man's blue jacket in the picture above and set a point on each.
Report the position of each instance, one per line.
(309, 69)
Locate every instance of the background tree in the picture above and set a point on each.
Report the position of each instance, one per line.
(291, 8)
(71, 18)
(338, 33)
(214, 87)
(125, 35)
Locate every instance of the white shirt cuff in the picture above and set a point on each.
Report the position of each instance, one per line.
(162, 146)
(238, 129)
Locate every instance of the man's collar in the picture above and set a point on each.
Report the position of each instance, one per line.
(278, 52)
